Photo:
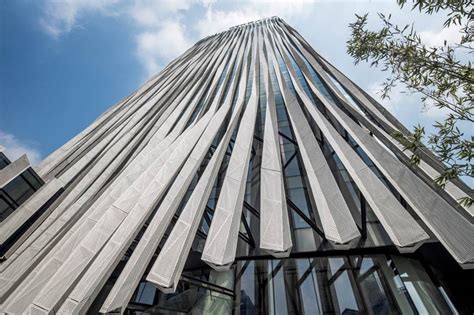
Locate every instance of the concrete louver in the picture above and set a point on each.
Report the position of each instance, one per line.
(403, 229)
(384, 117)
(132, 273)
(100, 270)
(136, 202)
(13, 170)
(221, 242)
(127, 175)
(337, 221)
(19, 217)
(275, 232)
(159, 142)
(453, 229)
(167, 268)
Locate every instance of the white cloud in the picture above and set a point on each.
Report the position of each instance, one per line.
(61, 16)
(14, 148)
(395, 100)
(156, 47)
(407, 106)
(411, 111)
(159, 38)
(433, 112)
(151, 13)
(160, 33)
(218, 20)
(435, 38)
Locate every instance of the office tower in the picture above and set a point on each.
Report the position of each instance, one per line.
(248, 176)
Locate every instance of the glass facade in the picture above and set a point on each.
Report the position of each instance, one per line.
(4, 161)
(351, 284)
(136, 231)
(315, 283)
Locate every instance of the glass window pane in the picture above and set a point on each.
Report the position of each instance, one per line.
(344, 297)
(247, 290)
(372, 290)
(425, 295)
(308, 287)
(279, 289)
(19, 190)
(31, 179)
(292, 169)
(304, 237)
(5, 209)
(3, 163)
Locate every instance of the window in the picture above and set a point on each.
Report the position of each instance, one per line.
(4, 161)
(12, 196)
(17, 191)
(5, 208)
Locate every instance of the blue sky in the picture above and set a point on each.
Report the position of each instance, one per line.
(63, 62)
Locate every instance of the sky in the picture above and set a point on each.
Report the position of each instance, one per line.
(64, 62)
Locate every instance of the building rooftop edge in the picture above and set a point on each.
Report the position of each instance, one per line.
(273, 18)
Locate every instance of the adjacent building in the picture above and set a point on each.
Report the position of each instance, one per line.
(249, 176)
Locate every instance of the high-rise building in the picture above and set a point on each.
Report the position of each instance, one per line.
(249, 176)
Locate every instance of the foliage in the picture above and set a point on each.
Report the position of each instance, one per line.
(442, 75)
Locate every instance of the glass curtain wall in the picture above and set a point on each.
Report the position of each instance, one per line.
(371, 284)
(256, 284)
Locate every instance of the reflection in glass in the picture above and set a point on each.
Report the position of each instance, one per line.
(341, 285)
(375, 284)
(426, 297)
(19, 190)
(342, 289)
